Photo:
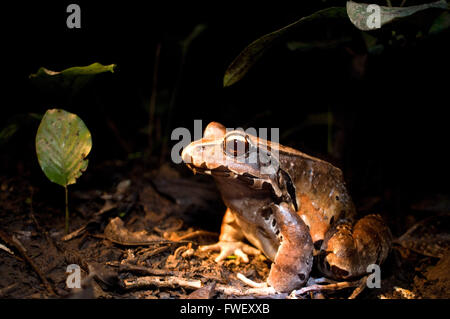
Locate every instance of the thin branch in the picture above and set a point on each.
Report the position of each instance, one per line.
(140, 270)
(6, 290)
(266, 292)
(163, 282)
(360, 288)
(40, 229)
(17, 245)
(333, 287)
(197, 233)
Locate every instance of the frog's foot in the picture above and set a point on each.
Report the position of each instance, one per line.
(348, 250)
(258, 288)
(228, 248)
(316, 285)
(252, 283)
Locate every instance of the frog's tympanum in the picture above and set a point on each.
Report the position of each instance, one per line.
(293, 207)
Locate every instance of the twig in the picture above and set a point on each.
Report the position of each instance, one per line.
(50, 241)
(3, 247)
(17, 243)
(164, 282)
(197, 233)
(154, 252)
(139, 243)
(74, 234)
(359, 289)
(267, 292)
(4, 291)
(144, 270)
(9, 241)
(96, 219)
(336, 286)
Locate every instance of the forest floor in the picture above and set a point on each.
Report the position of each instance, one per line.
(136, 234)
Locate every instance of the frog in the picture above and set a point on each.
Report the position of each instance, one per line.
(292, 207)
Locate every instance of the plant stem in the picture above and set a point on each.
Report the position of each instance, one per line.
(67, 210)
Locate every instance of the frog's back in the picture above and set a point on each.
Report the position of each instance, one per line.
(321, 196)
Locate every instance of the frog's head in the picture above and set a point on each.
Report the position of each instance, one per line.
(234, 154)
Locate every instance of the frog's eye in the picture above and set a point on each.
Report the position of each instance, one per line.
(236, 145)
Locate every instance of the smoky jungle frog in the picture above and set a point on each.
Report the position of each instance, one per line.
(293, 207)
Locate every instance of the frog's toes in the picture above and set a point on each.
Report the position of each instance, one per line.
(228, 248)
(250, 282)
(323, 284)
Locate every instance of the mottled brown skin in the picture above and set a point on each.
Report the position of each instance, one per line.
(292, 209)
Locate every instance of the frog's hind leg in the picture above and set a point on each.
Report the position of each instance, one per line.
(230, 241)
(348, 250)
(346, 253)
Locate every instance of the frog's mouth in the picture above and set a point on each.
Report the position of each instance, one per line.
(222, 171)
(250, 180)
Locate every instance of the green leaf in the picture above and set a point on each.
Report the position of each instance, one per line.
(441, 23)
(15, 123)
(248, 57)
(361, 13)
(62, 143)
(72, 78)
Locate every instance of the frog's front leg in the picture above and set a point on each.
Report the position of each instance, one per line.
(294, 259)
(348, 250)
(230, 240)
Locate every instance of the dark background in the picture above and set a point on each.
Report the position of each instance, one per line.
(390, 135)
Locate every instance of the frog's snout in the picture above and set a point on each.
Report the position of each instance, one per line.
(186, 154)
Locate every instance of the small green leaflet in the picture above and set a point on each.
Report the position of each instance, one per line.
(73, 78)
(15, 123)
(62, 143)
(441, 23)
